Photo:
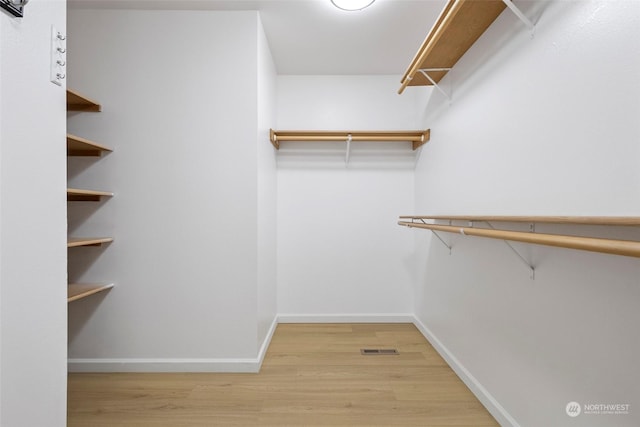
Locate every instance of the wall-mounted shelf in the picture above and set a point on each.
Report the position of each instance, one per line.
(78, 291)
(416, 137)
(78, 146)
(458, 27)
(78, 195)
(73, 242)
(77, 102)
(610, 246)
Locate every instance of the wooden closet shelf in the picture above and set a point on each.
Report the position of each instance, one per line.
(78, 291)
(77, 102)
(73, 242)
(78, 146)
(609, 246)
(78, 195)
(416, 137)
(589, 220)
(458, 27)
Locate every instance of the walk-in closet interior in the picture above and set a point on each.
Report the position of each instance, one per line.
(287, 213)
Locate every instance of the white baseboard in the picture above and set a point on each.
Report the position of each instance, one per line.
(163, 365)
(346, 318)
(493, 406)
(248, 365)
(267, 341)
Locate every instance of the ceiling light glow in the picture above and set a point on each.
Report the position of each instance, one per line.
(352, 4)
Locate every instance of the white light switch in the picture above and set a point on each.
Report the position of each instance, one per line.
(58, 56)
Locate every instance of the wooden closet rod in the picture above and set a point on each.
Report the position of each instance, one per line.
(585, 220)
(609, 246)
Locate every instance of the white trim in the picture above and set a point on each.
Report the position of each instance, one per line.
(493, 406)
(163, 365)
(346, 318)
(248, 365)
(267, 341)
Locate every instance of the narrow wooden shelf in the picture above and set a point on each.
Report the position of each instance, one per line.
(73, 242)
(609, 246)
(588, 220)
(458, 27)
(77, 102)
(78, 195)
(78, 291)
(78, 146)
(416, 137)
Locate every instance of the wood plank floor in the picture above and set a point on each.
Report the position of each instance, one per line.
(312, 375)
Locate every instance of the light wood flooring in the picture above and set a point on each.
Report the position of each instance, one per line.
(312, 375)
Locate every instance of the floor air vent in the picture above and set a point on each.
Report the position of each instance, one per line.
(378, 351)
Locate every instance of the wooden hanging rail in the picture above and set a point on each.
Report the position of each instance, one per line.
(416, 137)
(586, 220)
(610, 246)
(458, 27)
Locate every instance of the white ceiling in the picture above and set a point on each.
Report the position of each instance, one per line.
(314, 37)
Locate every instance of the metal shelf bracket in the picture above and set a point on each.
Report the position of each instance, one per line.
(521, 16)
(425, 72)
(442, 240)
(14, 7)
(439, 237)
(531, 268)
(348, 151)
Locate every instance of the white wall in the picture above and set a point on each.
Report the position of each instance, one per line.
(179, 93)
(1, 404)
(542, 126)
(340, 253)
(267, 191)
(32, 223)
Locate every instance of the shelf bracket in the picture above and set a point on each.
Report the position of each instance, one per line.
(520, 16)
(438, 236)
(425, 72)
(416, 159)
(14, 7)
(442, 240)
(348, 152)
(531, 268)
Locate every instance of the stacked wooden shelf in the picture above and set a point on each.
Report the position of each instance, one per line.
(78, 291)
(74, 242)
(78, 195)
(77, 102)
(78, 146)
(458, 27)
